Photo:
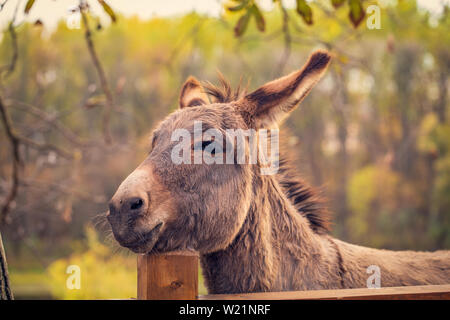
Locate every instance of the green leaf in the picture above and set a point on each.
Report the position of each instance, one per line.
(242, 24)
(357, 13)
(238, 7)
(28, 6)
(337, 3)
(260, 22)
(305, 11)
(108, 10)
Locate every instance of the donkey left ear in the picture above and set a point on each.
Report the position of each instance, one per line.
(192, 94)
(271, 103)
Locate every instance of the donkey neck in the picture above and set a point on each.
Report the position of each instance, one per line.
(274, 241)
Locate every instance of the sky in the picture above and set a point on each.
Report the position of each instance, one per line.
(51, 11)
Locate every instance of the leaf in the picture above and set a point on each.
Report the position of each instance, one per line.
(305, 11)
(238, 7)
(28, 6)
(357, 13)
(260, 22)
(242, 24)
(95, 101)
(108, 10)
(337, 3)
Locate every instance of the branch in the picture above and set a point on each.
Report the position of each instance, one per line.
(49, 119)
(6, 70)
(14, 141)
(39, 184)
(101, 74)
(3, 4)
(45, 147)
(287, 41)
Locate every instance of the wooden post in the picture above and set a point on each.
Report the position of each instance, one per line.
(169, 276)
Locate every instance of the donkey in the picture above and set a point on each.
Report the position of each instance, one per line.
(254, 232)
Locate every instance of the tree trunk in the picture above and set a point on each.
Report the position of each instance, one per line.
(5, 290)
(340, 105)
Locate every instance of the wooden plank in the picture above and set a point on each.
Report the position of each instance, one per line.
(169, 276)
(142, 272)
(434, 292)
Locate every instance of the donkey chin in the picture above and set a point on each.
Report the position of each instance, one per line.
(138, 241)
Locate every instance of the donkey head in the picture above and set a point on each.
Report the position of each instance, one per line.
(166, 205)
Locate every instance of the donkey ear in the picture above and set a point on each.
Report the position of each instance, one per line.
(271, 103)
(192, 94)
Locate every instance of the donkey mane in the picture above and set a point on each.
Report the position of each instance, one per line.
(224, 93)
(303, 197)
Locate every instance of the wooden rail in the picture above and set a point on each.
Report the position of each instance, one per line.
(438, 292)
(174, 276)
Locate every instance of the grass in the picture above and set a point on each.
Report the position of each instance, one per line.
(30, 284)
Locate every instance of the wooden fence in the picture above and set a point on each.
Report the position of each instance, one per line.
(174, 276)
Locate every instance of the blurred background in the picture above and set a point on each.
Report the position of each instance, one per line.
(82, 89)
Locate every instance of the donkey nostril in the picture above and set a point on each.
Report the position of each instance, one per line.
(112, 209)
(136, 204)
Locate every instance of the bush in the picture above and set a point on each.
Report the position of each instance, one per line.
(104, 274)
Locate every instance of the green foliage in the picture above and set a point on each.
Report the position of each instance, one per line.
(250, 8)
(337, 3)
(30, 283)
(357, 12)
(108, 10)
(260, 22)
(427, 141)
(370, 187)
(305, 11)
(104, 275)
(28, 6)
(242, 24)
(434, 142)
(239, 6)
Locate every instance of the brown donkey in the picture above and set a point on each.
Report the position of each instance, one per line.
(254, 232)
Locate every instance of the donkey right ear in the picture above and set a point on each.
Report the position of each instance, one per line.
(271, 103)
(192, 94)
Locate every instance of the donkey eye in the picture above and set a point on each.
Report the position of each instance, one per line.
(154, 140)
(207, 143)
(203, 145)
